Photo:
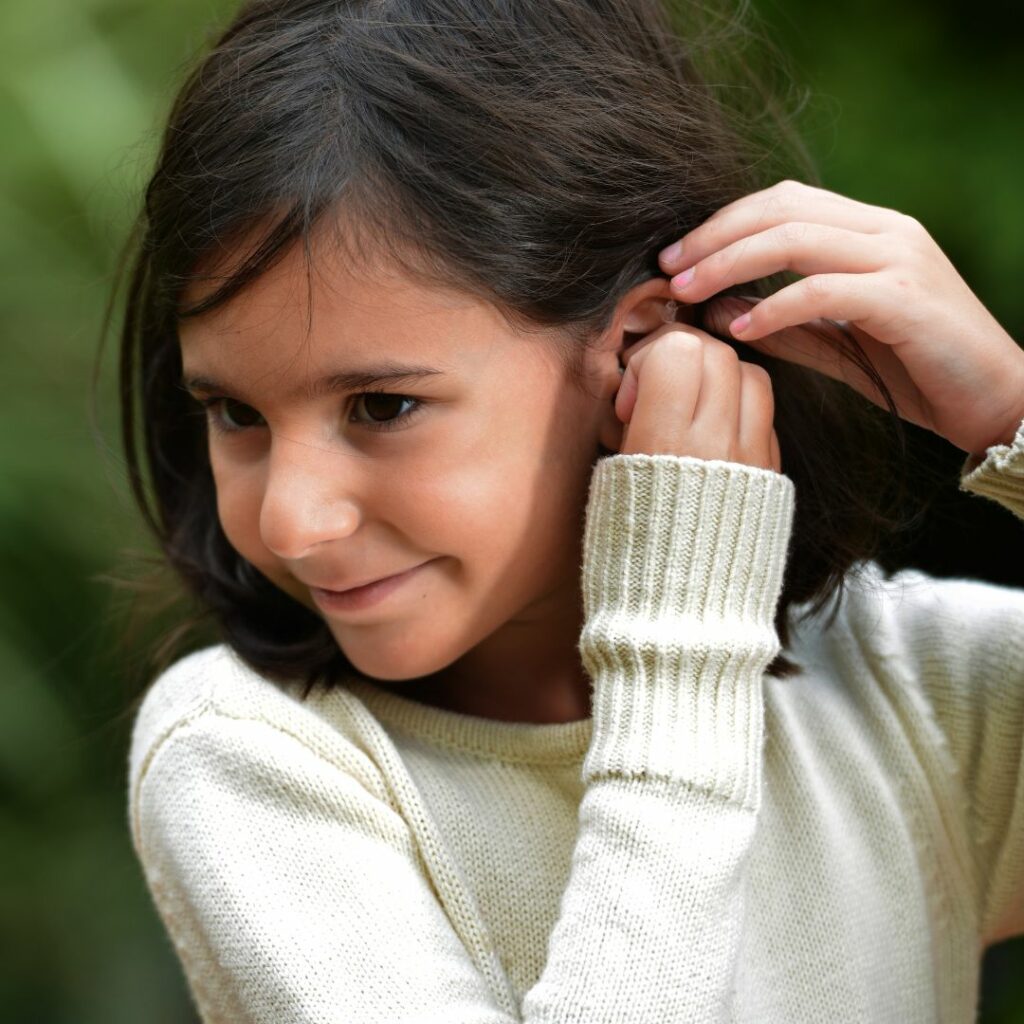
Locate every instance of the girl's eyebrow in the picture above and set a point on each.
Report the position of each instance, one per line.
(350, 380)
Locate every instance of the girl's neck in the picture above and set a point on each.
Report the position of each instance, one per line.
(524, 672)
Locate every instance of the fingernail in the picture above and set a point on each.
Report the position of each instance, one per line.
(683, 279)
(672, 253)
(740, 324)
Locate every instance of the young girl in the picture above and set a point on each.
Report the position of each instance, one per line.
(439, 395)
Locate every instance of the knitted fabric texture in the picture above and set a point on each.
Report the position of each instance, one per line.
(711, 845)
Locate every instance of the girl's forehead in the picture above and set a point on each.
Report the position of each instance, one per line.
(322, 277)
(300, 323)
(342, 245)
(326, 298)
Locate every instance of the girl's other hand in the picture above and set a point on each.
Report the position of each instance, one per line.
(685, 392)
(876, 274)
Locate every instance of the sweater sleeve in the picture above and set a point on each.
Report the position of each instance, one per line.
(998, 474)
(967, 641)
(294, 892)
(291, 890)
(683, 567)
(959, 644)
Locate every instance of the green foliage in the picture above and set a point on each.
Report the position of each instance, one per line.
(911, 107)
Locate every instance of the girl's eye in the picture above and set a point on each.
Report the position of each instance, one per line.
(383, 402)
(229, 416)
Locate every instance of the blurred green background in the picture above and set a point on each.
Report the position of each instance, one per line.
(917, 107)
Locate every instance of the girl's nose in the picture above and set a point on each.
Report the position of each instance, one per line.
(309, 498)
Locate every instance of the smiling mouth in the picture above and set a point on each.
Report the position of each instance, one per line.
(362, 596)
(355, 586)
(368, 583)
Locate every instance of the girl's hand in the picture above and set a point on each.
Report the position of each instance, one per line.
(950, 366)
(685, 392)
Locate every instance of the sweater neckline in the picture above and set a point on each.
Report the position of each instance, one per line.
(527, 742)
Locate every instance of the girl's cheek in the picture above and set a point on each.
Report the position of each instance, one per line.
(238, 508)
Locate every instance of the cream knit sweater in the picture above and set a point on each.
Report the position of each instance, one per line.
(712, 845)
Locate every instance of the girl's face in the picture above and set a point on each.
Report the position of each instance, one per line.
(480, 478)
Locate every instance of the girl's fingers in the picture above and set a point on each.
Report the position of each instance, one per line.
(801, 246)
(851, 297)
(786, 201)
(818, 343)
(689, 393)
(658, 414)
(756, 415)
(714, 432)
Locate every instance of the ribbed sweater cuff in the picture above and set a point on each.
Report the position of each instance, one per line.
(998, 475)
(683, 562)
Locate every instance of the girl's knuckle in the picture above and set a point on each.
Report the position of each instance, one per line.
(911, 225)
(721, 352)
(674, 342)
(711, 266)
(792, 231)
(918, 248)
(671, 350)
(757, 375)
(818, 287)
(780, 205)
(794, 192)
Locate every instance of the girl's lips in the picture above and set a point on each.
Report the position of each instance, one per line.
(362, 597)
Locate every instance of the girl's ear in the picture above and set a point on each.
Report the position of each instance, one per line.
(643, 309)
(647, 315)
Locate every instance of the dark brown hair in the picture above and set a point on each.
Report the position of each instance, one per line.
(535, 153)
